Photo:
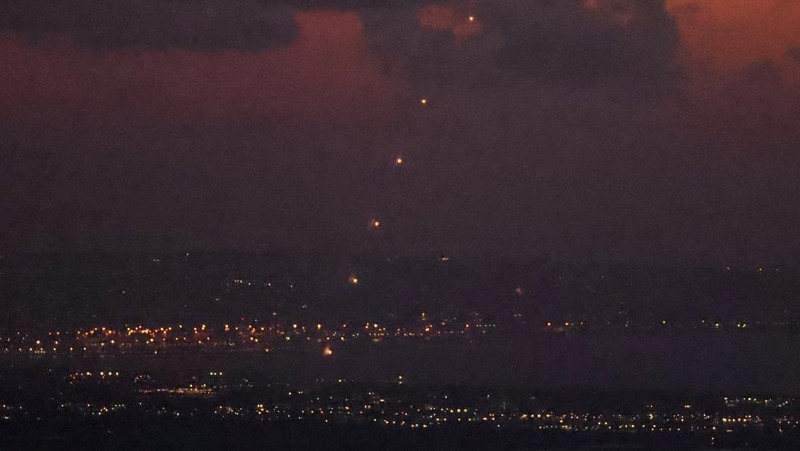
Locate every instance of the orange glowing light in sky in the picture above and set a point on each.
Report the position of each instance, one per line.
(448, 18)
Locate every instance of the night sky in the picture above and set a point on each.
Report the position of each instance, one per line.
(619, 129)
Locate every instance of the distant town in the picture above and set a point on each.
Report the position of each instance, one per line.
(551, 354)
(108, 398)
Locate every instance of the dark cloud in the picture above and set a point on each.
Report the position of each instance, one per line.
(621, 43)
(350, 5)
(193, 24)
(794, 53)
(554, 40)
(164, 24)
(626, 41)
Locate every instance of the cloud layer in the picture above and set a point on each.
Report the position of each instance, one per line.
(564, 128)
(165, 24)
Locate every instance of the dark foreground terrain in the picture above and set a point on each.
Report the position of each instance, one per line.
(133, 433)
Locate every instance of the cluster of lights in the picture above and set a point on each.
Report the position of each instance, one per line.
(264, 338)
(395, 410)
(244, 336)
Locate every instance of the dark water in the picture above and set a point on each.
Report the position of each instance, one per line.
(697, 362)
(694, 362)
